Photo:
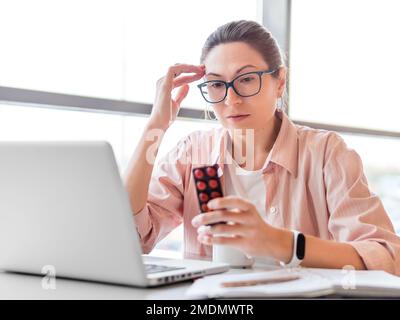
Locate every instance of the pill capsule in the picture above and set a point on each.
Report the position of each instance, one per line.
(213, 184)
(211, 171)
(215, 194)
(198, 174)
(201, 185)
(203, 196)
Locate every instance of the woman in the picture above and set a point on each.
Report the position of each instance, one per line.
(295, 178)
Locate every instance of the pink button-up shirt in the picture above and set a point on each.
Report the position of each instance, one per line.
(314, 184)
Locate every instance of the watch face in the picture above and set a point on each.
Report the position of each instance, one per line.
(301, 246)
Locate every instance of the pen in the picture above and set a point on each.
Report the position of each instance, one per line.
(244, 283)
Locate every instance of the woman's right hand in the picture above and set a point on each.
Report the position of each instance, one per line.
(165, 108)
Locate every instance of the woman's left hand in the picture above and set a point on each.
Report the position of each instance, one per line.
(246, 230)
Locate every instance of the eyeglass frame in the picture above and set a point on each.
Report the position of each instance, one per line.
(230, 84)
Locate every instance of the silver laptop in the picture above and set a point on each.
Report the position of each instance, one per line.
(63, 207)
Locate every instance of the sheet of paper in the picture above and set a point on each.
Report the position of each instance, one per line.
(312, 283)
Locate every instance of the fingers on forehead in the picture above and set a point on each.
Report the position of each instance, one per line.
(177, 69)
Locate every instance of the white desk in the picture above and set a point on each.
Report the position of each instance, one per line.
(21, 286)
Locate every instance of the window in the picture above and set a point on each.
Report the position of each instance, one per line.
(343, 72)
(65, 46)
(30, 123)
(180, 35)
(382, 169)
(109, 49)
(114, 49)
(123, 132)
(344, 63)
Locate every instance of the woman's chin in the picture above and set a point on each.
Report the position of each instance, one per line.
(239, 123)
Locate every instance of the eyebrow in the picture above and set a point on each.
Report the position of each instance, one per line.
(240, 69)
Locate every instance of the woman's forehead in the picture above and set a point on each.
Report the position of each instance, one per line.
(230, 57)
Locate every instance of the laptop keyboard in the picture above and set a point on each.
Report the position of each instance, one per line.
(153, 268)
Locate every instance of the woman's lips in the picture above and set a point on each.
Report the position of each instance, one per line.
(236, 118)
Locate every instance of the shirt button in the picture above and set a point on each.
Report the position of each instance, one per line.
(273, 210)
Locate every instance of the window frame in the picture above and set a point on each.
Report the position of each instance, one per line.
(274, 14)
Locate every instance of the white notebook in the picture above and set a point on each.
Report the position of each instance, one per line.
(310, 283)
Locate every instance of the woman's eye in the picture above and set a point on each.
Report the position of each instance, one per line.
(247, 79)
(216, 85)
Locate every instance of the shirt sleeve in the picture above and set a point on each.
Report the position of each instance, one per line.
(357, 215)
(163, 211)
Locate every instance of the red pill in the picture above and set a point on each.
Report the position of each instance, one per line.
(215, 194)
(198, 173)
(203, 196)
(204, 207)
(213, 183)
(211, 171)
(201, 185)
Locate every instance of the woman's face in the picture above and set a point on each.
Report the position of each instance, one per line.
(226, 62)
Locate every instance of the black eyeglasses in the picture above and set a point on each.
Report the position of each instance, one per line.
(245, 85)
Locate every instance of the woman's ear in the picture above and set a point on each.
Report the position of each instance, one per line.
(281, 81)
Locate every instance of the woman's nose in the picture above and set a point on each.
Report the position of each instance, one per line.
(232, 97)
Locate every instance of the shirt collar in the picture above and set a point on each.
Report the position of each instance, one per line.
(286, 146)
(284, 151)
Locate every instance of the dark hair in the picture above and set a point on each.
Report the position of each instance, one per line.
(251, 33)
